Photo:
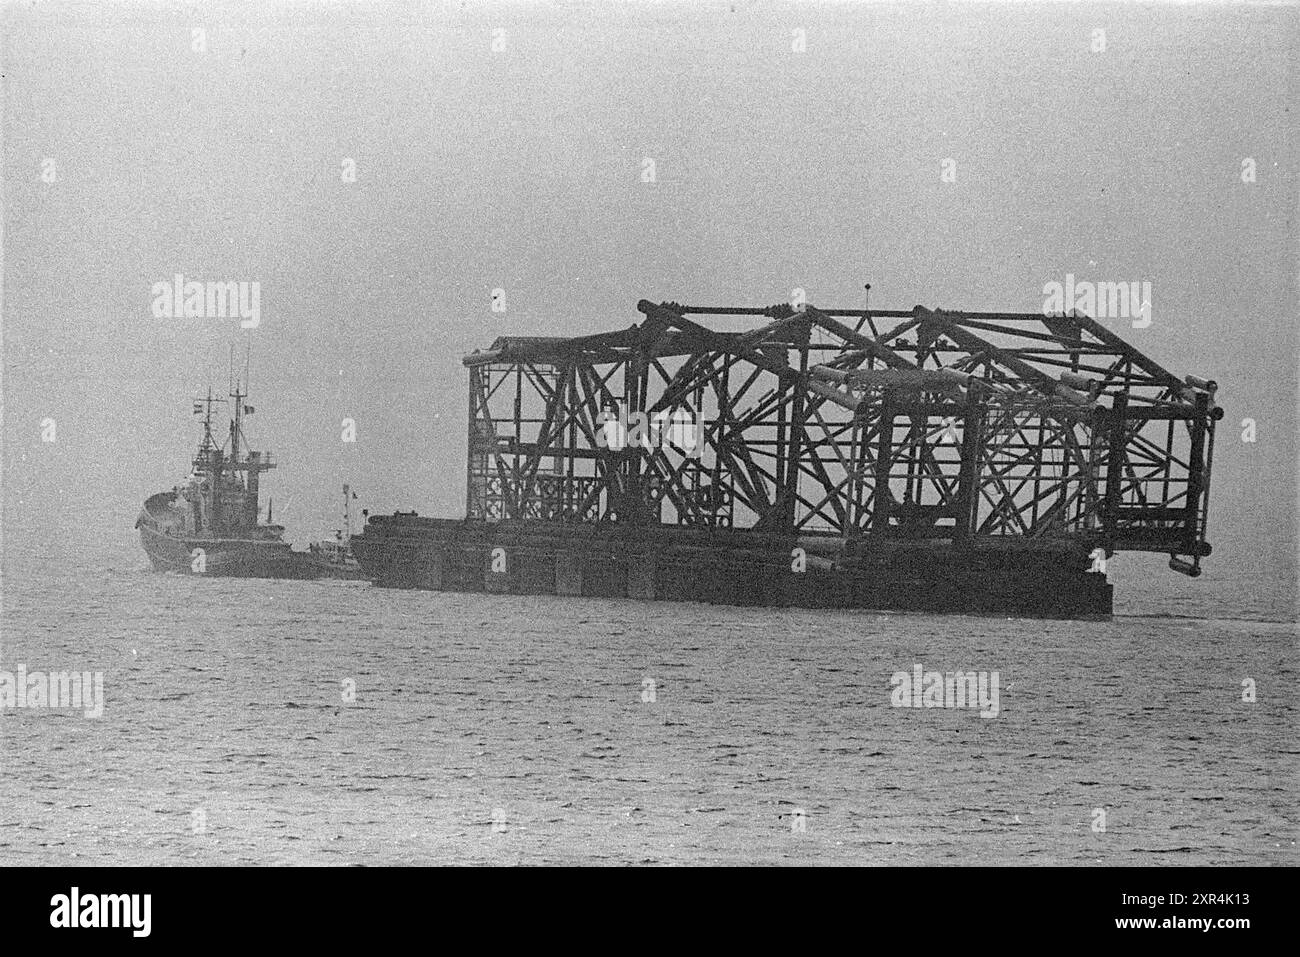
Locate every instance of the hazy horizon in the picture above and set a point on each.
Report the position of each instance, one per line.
(522, 168)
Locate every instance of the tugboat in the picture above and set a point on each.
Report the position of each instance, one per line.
(209, 524)
(335, 559)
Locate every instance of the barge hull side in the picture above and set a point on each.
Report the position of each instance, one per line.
(1044, 581)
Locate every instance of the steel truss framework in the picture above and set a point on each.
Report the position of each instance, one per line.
(837, 424)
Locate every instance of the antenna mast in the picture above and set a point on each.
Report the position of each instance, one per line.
(866, 313)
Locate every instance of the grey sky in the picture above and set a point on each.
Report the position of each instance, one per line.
(521, 169)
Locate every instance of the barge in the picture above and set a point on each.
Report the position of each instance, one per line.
(922, 460)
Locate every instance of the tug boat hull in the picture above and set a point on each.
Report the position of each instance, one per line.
(264, 556)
